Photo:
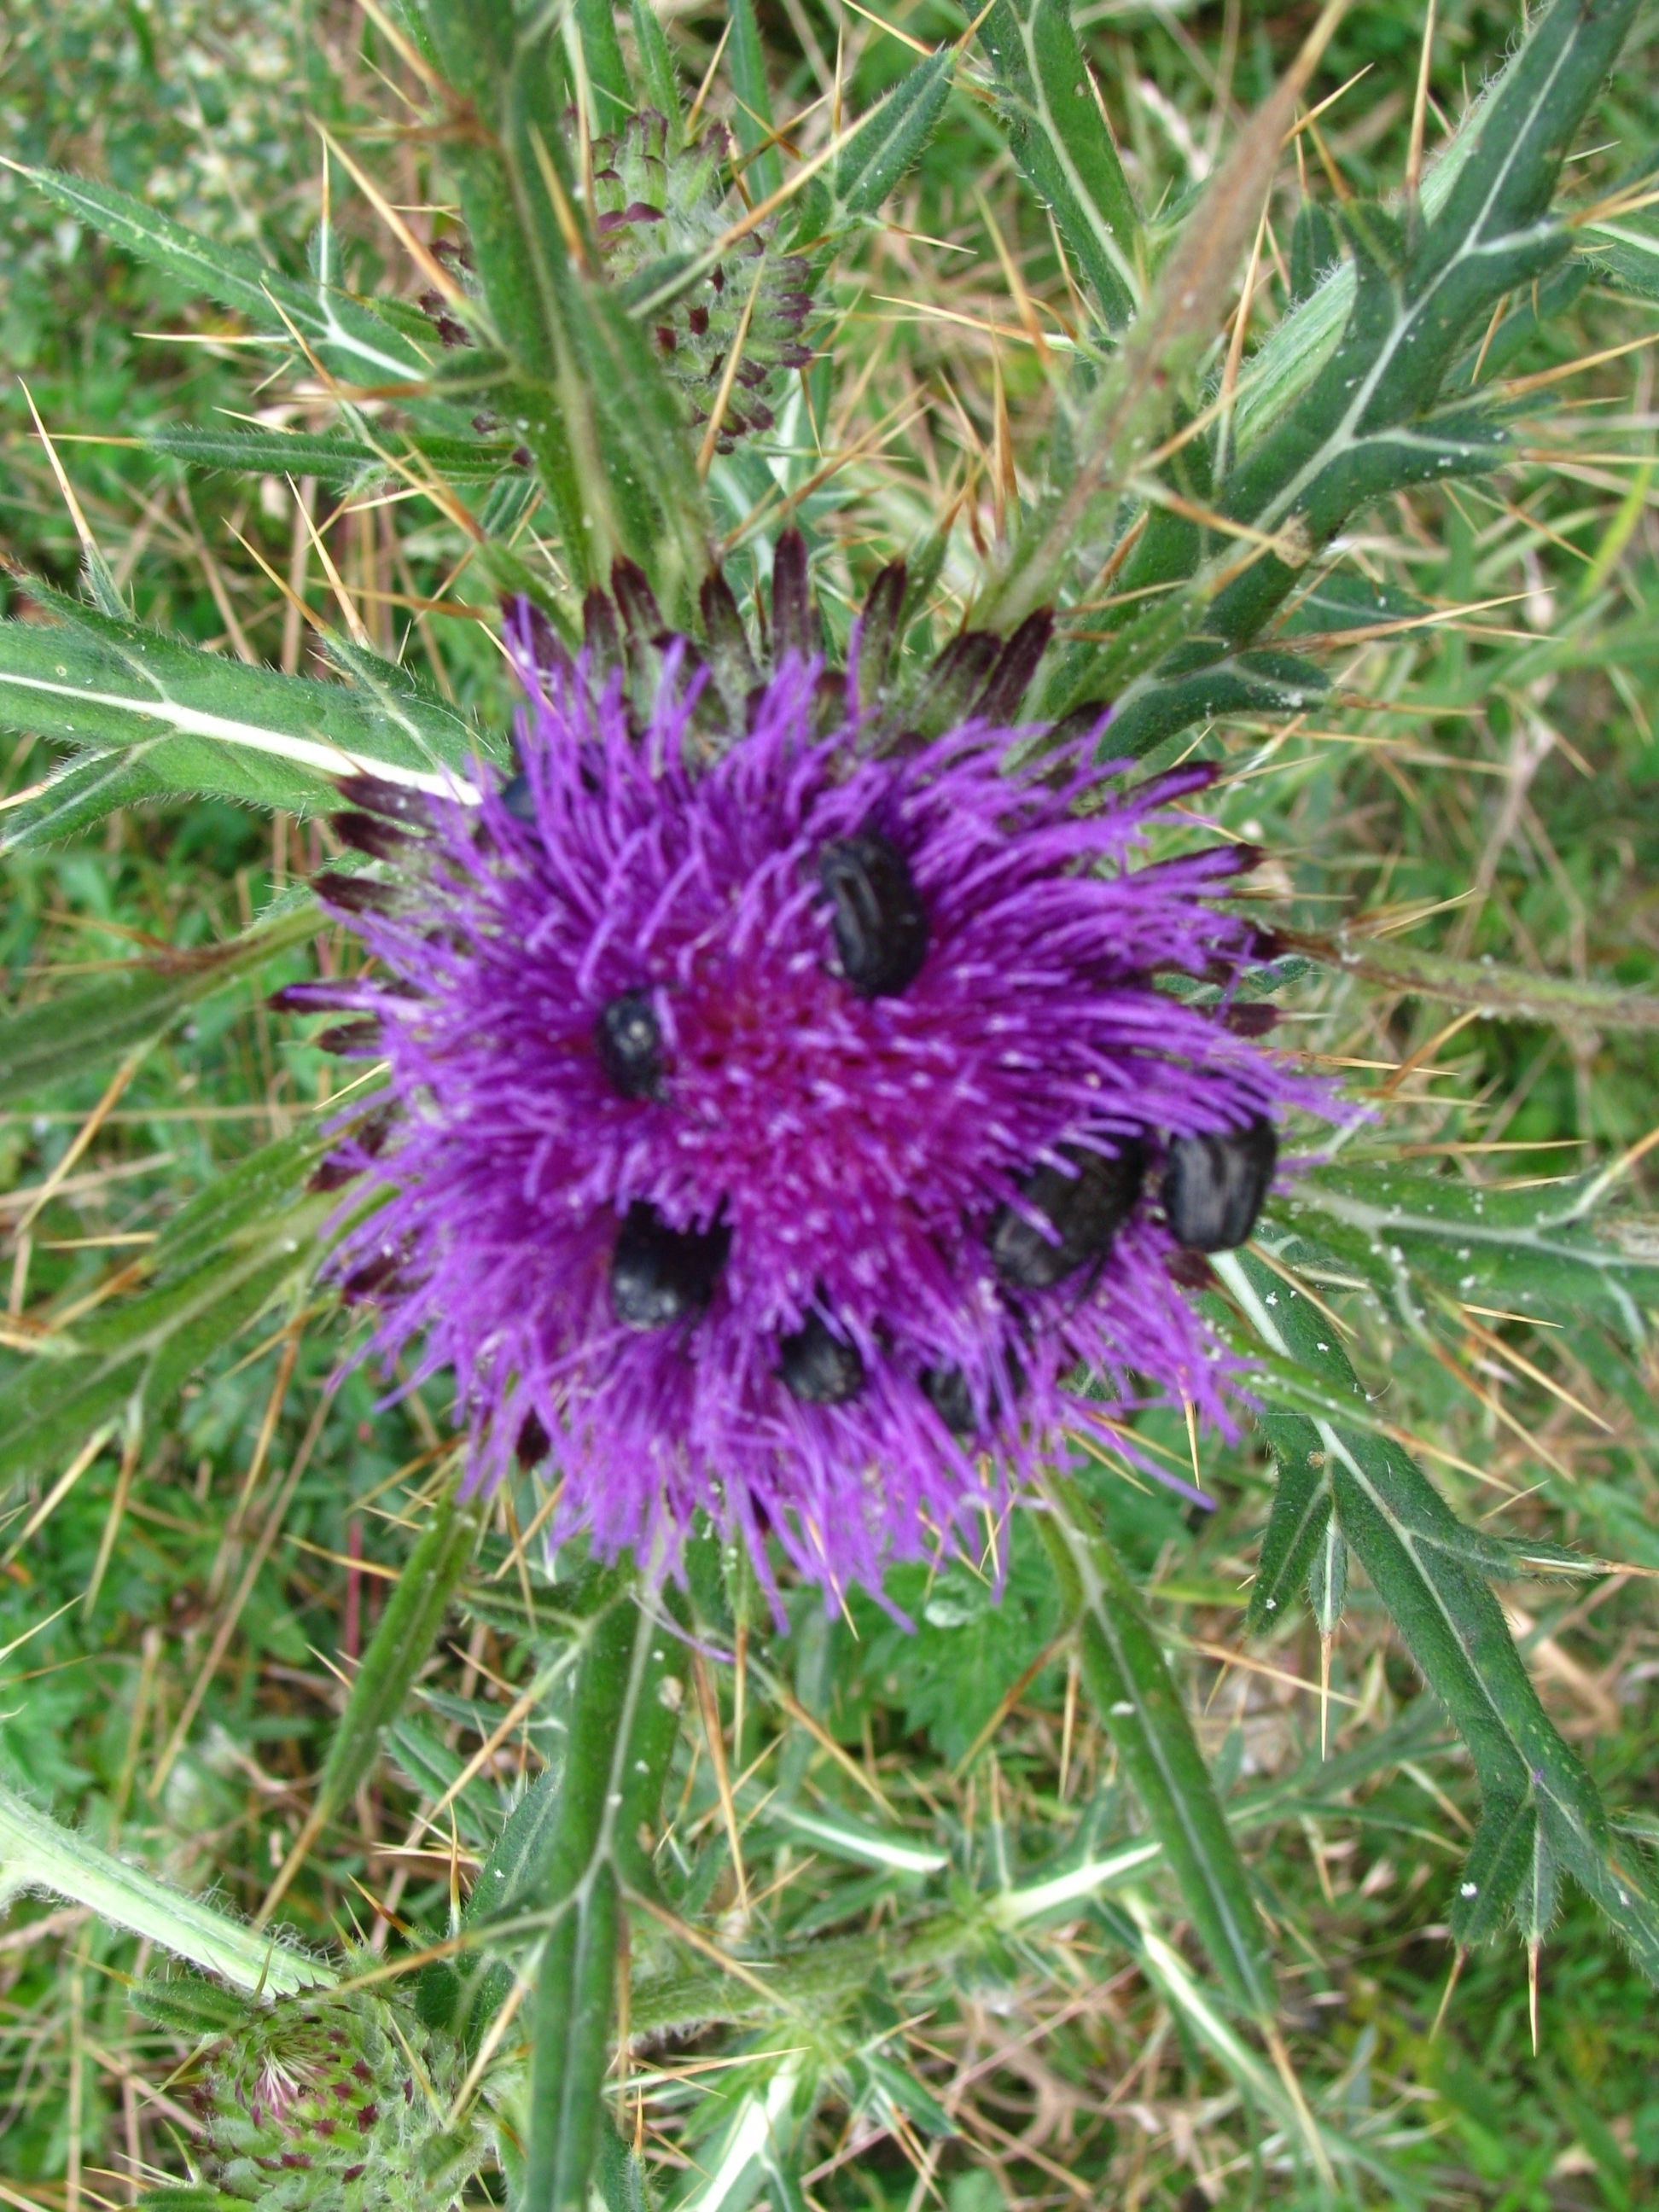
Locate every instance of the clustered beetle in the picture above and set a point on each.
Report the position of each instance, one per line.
(1214, 1186)
(661, 1275)
(880, 924)
(627, 1037)
(517, 798)
(818, 1367)
(1084, 1209)
(945, 1390)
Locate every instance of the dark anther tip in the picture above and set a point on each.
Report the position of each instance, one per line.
(354, 894)
(661, 1275)
(375, 1277)
(533, 1442)
(1214, 1186)
(627, 1037)
(370, 833)
(820, 1368)
(1191, 1270)
(946, 1391)
(333, 1173)
(351, 1040)
(396, 801)
(1085, 1210)
(303, 998)
(880, 925)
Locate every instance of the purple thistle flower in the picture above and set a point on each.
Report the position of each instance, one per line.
(781, 1136)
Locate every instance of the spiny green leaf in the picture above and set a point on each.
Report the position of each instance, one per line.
(586, 391)
(1580, 1006)
(623, 1719)
(1327, 1578)
(1430, 1573)
(348, 337)
(889, 138)
(189, 2004)
(37, 1852)
(619, 2175)
(195, 722)
(335, 456)
(69, 1036)
(607, 72)
(1626, 246)
(399, 1648)
(1370, 422)
(1059, 136)
(434, 1769)
(1301, 1510)
(1203, 682)
(248, 1238)
(1541, 1251)
(1495, 1871)
(1118, 413)
(752, 120)
(662, 83)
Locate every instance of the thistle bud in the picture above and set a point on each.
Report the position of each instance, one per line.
(327, 2101)
(654, 203)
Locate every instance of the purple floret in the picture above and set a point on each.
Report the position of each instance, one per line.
(844, 1154)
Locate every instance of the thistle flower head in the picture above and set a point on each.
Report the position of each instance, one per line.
(797, 1137)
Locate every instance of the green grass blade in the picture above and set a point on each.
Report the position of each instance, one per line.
(1138, 1703)
(246, 1241)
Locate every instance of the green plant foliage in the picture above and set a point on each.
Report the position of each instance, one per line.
(1129, 1858)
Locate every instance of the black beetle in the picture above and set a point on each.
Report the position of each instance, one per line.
(1086, 1209)
(818, 1367)
(946, 1391)
(1213, 1187)
(880, 923)
(518, 798)
(661, 1275)
(629, 1040)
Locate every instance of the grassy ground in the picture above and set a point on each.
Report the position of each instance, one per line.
(174, 1626)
